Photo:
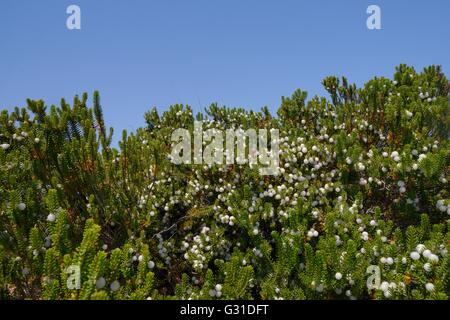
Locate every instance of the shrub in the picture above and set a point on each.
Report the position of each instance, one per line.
(363, 182)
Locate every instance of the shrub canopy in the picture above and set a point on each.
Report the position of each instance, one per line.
(363, 182)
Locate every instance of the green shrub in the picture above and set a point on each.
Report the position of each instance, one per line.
(363, 182)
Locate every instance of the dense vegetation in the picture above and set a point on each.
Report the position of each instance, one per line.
(363, 181)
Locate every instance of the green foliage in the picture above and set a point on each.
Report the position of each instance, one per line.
(363, 182)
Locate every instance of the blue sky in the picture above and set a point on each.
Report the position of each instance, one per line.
(245, 53)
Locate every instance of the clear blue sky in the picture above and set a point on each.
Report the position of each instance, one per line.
(244, 53)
